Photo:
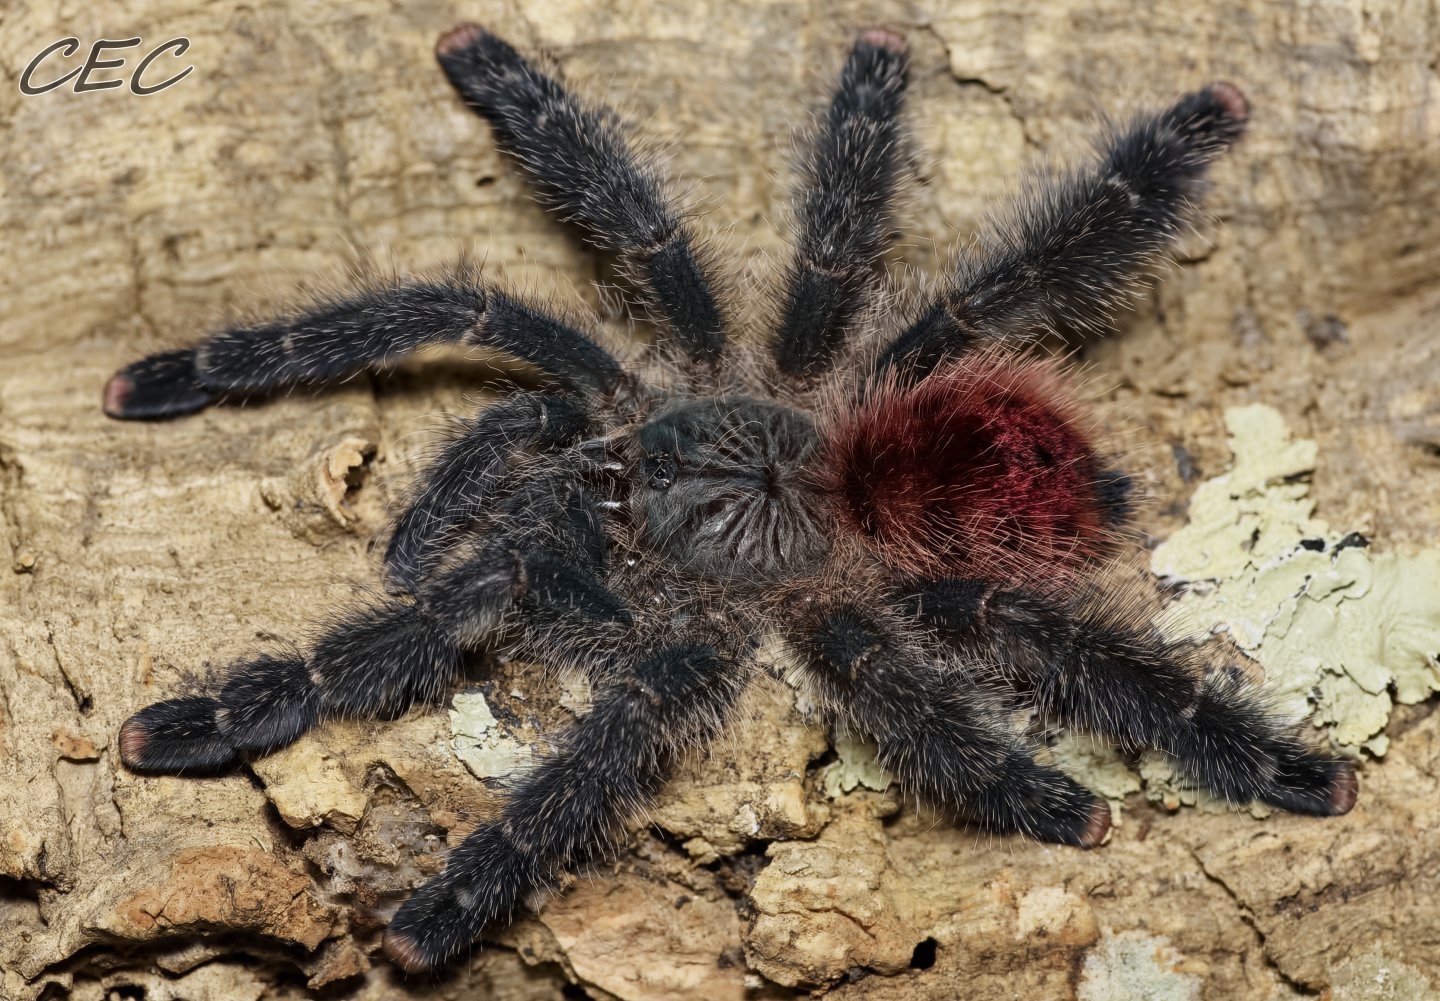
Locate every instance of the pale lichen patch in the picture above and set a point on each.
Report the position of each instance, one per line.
(1097, 766)
(1373, 976)
(481, 743)
(1336, 627)
(1131, 964)
(854, 766)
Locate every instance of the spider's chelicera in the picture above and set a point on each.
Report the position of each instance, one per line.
(920, 516)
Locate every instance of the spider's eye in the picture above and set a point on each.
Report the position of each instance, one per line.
(659, 472)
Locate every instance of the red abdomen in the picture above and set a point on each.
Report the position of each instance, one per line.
(981, 469)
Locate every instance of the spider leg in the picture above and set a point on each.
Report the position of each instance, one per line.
(1072, 253)
(844, 211)
(1087, 668)
(610, 763)
(939, 734)
(581, 165)
(383, 659)
(455, 487)
(369, 330)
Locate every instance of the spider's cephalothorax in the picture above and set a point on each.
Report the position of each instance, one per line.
(914, 508)
(727, 487)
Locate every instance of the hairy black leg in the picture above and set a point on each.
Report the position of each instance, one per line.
(366, 331)
(1087, 668)
(385, 658)
(942, 737)
(1071, 254)
(1238, 750)
(610, 764)
(453, 489)
(844, 209)
(581, 165)
(174, 736)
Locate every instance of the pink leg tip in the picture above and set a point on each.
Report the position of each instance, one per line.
(133, 739)
(1099, 826)
(404, 953)
(1344, 790)
(458, 38)
(1231, 99)
(117, 394)
(884, 38)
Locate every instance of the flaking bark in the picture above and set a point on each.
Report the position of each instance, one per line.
(310, 139)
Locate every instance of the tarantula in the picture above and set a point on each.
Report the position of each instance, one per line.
(921, 516)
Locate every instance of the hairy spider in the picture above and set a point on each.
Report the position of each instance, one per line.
(921, 516)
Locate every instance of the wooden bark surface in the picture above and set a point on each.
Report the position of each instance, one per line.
(315, 135)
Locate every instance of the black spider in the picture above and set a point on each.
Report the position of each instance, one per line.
(919, 516)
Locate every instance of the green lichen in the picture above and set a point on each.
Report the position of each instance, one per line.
(480, 742)
(1373, 976)
(1130, 964)
(1337, 629)
(1097, 766)
(854, 766)
(1166, 786)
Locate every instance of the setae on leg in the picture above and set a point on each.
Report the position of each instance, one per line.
(1089, 669)
(381, 660)
(366, 331)
(610, 764)
(1071, 254)
(844, 211)
(940, 735)
(463, 478)
(581, 165)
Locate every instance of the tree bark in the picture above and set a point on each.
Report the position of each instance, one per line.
(314, 137)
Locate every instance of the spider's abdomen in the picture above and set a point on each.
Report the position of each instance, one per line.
(725, 487)
(980, 469)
